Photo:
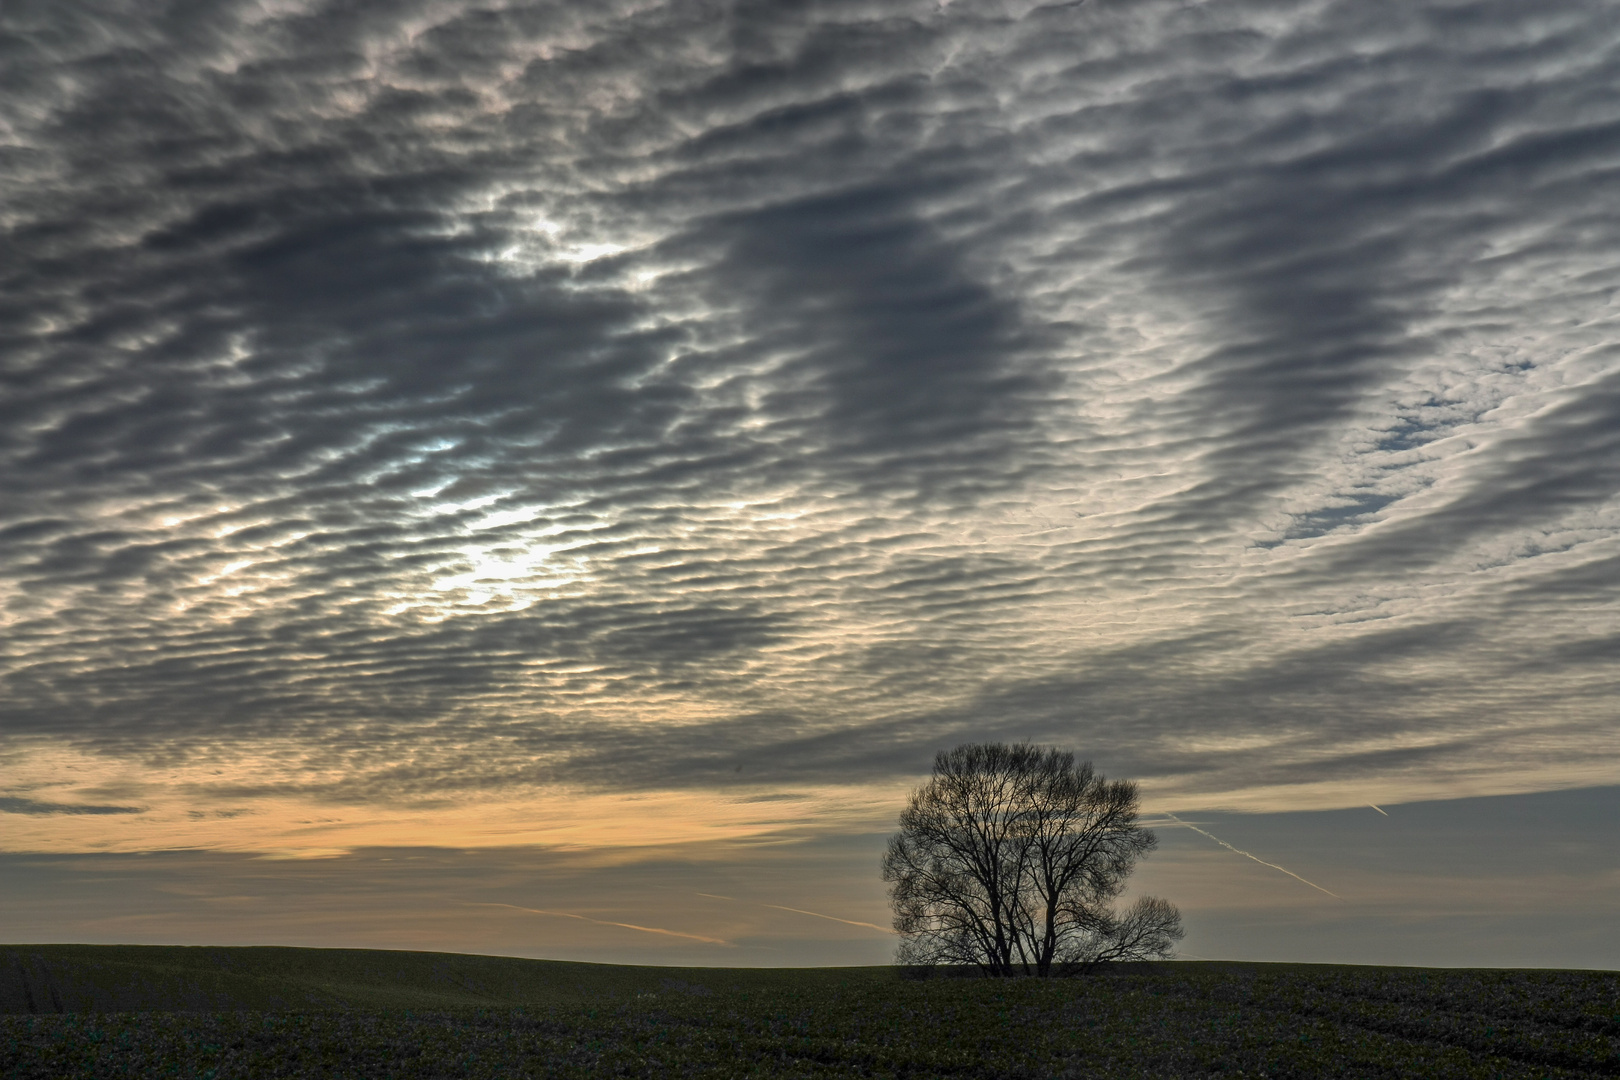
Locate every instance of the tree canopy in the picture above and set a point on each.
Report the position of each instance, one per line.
(1009, 859)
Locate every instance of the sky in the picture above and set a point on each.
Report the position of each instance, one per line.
(546, 477)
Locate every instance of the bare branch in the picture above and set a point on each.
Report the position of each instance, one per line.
(1008, 859)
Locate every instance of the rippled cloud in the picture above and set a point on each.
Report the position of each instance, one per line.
(452, 401)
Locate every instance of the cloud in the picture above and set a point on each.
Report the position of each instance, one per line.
(422, 400)
(1419, 888)
(11, 804)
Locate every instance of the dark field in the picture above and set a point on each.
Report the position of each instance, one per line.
(338, 1013)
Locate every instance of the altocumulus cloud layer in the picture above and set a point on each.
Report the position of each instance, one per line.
(424, 400)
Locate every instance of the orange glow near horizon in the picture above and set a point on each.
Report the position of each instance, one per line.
(230, 807)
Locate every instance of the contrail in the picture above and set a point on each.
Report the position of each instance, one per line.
(799, 911)
(1380, 809)
(834, 918)
(605, 922)
(1256, 858)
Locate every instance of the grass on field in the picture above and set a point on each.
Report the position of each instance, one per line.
(358, 1013)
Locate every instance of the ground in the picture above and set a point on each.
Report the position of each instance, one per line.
(355, 1013)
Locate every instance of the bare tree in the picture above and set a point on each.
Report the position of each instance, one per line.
(1010, 858)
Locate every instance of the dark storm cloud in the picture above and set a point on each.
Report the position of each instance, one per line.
(825, 383)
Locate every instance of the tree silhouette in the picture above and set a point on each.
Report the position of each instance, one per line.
(1009, 859)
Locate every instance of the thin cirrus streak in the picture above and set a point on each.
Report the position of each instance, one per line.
(1248, 855)
(606, 922)
(801, 911)
(831, 918)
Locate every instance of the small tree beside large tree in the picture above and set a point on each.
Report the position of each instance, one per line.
(1009, 859)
